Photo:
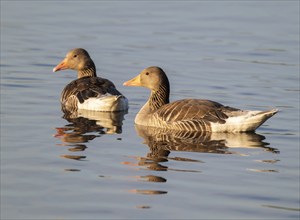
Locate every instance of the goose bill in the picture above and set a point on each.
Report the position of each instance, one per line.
(61, 66)
(133, 82)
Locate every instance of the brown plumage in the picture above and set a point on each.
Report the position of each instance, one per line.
(190, 114)
(88, 91)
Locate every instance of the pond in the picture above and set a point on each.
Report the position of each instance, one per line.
(102, 166)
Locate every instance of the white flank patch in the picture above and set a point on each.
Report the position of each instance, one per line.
(246, 122)
(107, 103)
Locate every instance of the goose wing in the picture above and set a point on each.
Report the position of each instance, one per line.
(189, 110)
(85, 88)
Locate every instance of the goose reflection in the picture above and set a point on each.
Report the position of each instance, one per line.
(84, 126)
(162, 142)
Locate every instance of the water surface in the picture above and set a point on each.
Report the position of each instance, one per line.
(102, 166)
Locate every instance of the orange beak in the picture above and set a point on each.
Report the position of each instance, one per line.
(136, 81)
(61, 66)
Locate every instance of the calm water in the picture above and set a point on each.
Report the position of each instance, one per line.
(99, 166)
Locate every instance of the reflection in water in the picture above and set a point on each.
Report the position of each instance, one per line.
(263, 171)
(152, 178)
(283, 208)
(267, 161)
(162, 142)
(72, 170)
(148, 192)
(74, 157)
(86, 125)
(102, 122)
(143, 207)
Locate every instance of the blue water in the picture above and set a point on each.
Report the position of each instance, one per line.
(244, 54)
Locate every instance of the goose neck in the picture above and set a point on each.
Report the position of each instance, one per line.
(89, 71)
(159, 97)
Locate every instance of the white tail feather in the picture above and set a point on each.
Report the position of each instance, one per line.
(249, 121)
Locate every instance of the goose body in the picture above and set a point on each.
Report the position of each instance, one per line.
(190, 114)
(88, 91)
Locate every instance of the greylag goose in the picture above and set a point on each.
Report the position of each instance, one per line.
(88, 91)
(190, 114)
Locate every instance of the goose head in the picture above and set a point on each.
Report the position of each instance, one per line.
(152, 78)
(76, 59)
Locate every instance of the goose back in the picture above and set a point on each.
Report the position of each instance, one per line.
(84, 89)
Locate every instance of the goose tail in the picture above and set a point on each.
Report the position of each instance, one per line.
(244, 122)
(259, 118)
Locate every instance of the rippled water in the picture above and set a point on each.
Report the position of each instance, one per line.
(100, 166)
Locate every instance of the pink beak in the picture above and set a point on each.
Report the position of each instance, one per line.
(61, 66)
